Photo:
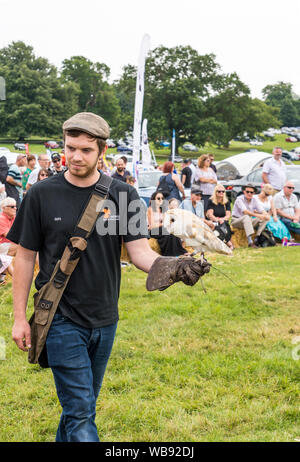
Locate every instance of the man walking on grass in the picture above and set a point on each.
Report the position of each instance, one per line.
(82, 332)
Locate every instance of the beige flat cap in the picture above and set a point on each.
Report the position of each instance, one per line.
(89, 123)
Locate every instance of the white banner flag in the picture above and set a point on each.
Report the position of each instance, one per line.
(146, 154)
(139, 100)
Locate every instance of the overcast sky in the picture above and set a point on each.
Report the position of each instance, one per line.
(258, 39)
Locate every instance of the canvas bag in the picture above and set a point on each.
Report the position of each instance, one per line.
(46, 300)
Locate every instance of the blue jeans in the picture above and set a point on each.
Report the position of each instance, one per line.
(287, 223)
(78, 357)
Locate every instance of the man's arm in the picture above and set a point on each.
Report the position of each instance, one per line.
(10, 180)
(22, 279)
(141, 254)
(283, 214)
(265, 178)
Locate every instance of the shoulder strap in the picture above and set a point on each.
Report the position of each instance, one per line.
(85, 226)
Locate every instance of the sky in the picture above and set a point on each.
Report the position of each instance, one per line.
(257, 39)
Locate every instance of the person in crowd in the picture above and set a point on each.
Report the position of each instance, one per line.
(193, 168)
(13, 185)
(31, 163)
(173, 204)
(121, 173)
(43, 174)
(248, 214)
(169, 245)
(7, 248)
(57, 164)
(102, 168)
(194, 204)
(186, 174)
(212, 165)
(274, 171)
(43, 162)
(2, 192)
(170, 184)
(206, 178)
(130, 180)
(288, 207)
(219, 212)
(275, 225)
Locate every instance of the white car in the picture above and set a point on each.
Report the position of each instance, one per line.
(256, 143)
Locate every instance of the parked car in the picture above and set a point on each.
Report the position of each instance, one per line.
(256, 143)
(147, 184)
(51, 144)
(20, 146)
(165, 144)
(110, 143)
(296, 150)
(292, 156)
(176, 158)
(291, 139)
(234, 187)
(190, 147)
(124, 148)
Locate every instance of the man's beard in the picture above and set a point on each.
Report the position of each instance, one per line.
(85, 170)
(120, 170)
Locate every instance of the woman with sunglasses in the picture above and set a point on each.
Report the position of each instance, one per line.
(170, 245)
(218, 211)
(43, 174)
(7, 248)
(275, 225)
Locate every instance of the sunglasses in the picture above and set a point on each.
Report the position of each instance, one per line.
(221, 192)
(249, 192)
(11, 206)
(160, 198)
(55, 161)
(290, 187)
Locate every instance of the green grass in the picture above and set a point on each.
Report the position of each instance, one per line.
(186, 366)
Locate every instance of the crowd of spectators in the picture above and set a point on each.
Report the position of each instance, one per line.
(195, 189)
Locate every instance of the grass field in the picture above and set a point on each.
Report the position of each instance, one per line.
(186, 366)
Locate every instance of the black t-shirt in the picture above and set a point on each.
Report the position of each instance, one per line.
(119, 177)
(219, 210)
(188, 173)
(46, 220)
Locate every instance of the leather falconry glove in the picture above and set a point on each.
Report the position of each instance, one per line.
(165, 271)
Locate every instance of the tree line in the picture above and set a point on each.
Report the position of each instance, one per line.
(184, 91)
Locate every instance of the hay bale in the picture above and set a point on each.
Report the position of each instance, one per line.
(239, 238)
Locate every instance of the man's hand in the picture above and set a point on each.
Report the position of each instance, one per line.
(21, 334)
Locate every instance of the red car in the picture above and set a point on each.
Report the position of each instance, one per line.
(291, 139)
(51, 144)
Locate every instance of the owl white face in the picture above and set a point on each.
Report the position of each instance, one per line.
(178, 222)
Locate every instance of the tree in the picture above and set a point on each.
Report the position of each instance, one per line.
(95, 93)
(37, 101)
(281, 96)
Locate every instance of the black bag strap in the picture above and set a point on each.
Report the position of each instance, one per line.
(82, 231)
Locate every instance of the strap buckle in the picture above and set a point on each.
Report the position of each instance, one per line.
(101, 189)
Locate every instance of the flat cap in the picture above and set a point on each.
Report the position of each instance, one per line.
(89, 123)
(195, 189)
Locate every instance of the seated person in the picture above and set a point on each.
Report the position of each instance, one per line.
(195, 204)
(169, 245)
(275, 225)
(7, 248)
(218, 211)
(248, 214)
(288, 208)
